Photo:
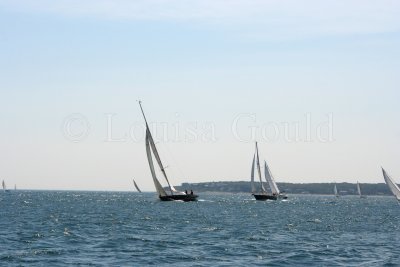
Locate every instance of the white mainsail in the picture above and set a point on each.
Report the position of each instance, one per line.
(259, 170)
(253, 187)
(136, 186)
(358, 189)
(392, 185)
(151, 149)
(270, 179)
(335, 191)
(159, 188)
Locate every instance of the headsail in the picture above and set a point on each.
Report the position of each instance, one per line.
(136, 186)
(253, 187)
(392, 185)
(259, 169)
(270, 179)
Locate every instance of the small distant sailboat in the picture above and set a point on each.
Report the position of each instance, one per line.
(151, 151)
(3, 184)
(359, 190)
(392, 185)
(335, 191)
(136, 186)
(264, 195)
(15, 187)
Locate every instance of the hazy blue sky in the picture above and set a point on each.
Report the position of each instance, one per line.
(214, 70)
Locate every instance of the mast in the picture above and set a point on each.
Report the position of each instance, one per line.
(155, 152)
(259, 169)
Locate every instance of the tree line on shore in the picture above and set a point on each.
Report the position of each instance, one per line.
(290, 188)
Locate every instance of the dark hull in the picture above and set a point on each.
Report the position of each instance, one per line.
(264, 197)
(185, 198)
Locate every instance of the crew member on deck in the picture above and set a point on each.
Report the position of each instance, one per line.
(191, 192)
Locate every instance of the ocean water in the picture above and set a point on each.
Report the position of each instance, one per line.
(64, 228)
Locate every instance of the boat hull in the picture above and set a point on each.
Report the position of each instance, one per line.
(185, 198)
(264, 197)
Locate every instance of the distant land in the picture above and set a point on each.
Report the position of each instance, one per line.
(290, 188)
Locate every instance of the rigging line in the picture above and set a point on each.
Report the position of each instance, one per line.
(176, 163)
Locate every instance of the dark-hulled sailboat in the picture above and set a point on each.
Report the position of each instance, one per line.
(264, 195)
(151, 150)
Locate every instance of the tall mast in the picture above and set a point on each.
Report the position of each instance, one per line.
(259, 169)
(141, 108)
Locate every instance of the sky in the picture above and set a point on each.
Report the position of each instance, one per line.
(316, 83)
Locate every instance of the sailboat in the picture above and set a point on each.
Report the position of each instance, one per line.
(136, 186)
(151, 151)
(4, 187)
(264, 195)
(359, 190)
(335, 191)
(392, 185)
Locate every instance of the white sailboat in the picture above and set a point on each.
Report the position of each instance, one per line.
(392, 185)
(335, 191)
(3, 184)
(359, 190)
(151, 151)
(136, 186)
(264, 195)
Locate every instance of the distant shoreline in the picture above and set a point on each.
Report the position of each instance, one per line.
(376, 189)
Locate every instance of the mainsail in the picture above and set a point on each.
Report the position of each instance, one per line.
(159, 188)
(335, 191)
(270, 179)
(253, 187)
(259, 170)
(4, 185)
(358, 189)
(392, 185)
(137, 187)
(152, 150)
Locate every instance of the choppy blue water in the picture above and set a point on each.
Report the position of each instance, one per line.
(55, 228)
